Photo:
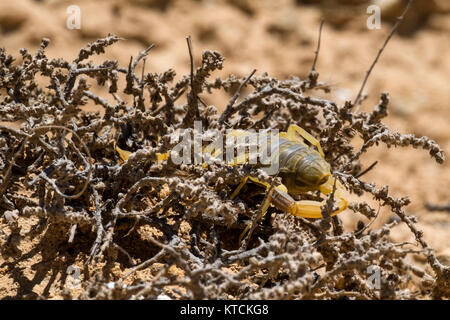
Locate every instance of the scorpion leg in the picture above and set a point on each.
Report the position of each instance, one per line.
(263, 211)
(264, 206)
(123, 154)
(292, 135)
(239, 187)
(266, 185)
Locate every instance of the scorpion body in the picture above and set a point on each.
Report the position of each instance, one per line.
(295, 157)
(302, 168)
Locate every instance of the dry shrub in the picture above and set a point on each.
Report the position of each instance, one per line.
(61, 166)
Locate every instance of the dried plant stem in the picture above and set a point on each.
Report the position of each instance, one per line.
(356, 102)
(229, 108)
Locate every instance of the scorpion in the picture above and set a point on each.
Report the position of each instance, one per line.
(302, 168)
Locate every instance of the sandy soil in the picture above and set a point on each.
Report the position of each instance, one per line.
(276, 38)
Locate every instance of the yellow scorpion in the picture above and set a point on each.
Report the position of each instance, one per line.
(302, 168)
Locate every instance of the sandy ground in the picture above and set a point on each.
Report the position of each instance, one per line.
(279, 39)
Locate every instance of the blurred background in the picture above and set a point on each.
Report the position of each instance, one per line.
(280, 37)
